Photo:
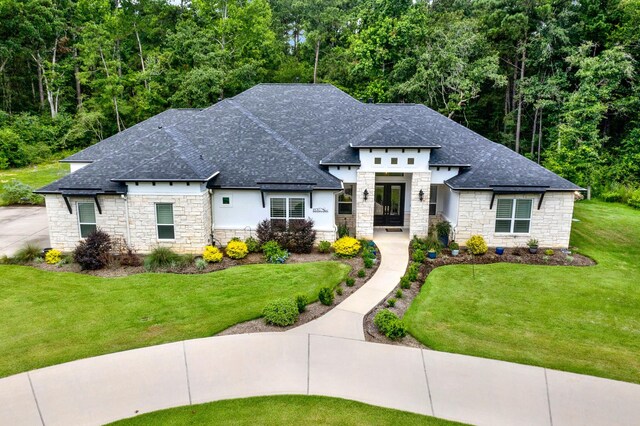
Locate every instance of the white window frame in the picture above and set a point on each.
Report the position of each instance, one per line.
(287, 207)
(86, 223)
(173, 222)
(513, 218)
(338, 202)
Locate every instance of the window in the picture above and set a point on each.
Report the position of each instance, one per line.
(513, 215)
(433, 200)
(410, 161)
(377, 160)
(164, 221)
(279, 209)
(394, 160)
(86, 219)
(345, 200)
(226, 200)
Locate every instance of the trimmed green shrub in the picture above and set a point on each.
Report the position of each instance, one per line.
(548, 252)
(324, 246)
(162, 258)
(419, 256)
(405, 283)
(94, 251)
(399, 294)
(476, 245)
(390, 325)
(350, 282)
(361, 273)
(281, 312)
(326, 296)
(301, 302)
(412, 272)
(339, 290)
(273, 253)
(391, 302)
(368, 262)
(253, 245)
(28, 253)
(16, 192)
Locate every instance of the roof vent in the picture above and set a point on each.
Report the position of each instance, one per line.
(159, 127)
(201, 157)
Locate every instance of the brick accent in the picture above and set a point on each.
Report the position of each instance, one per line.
(419, 218)
(364, 209)
(551, 225)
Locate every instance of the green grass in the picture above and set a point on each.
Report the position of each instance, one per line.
(52, 317)
(580, 319)
(283, 410)
(35, 176)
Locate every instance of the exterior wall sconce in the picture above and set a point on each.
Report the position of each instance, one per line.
(421, 195)
(366, 194)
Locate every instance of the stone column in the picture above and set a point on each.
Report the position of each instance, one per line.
(419, 220)
(364, 209)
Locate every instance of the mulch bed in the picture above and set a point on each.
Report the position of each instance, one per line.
(511, 255)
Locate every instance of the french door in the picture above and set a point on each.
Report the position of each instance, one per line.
(389, 204)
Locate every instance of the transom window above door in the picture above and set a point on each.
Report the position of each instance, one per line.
(513, 215)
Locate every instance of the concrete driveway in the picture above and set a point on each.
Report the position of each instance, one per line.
(21, 225)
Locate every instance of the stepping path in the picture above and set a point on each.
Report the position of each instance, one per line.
(329, 358)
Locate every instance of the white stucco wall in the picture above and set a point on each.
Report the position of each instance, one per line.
(421, 160)
(77, 166)
(346, 174)
(551, 225)
(440, 174)
(241, 217)
(449, 200)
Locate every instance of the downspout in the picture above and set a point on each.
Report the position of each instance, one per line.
(212, 239)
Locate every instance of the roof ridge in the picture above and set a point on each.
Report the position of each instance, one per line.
(279, 138)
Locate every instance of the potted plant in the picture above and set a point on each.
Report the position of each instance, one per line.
(499, 251)
(443, 229)
(454, 247)
(432, 254)
(533, 246)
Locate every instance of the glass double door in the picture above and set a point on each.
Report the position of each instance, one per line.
(389, 204)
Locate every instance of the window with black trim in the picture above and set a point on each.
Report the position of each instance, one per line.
(164, 221)
(513, 215)
(433, 200)
(394, 160)
(345, 200)
(377, 160)
(86, 218)
(411, 161)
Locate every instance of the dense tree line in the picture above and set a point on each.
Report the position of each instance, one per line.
(555, 80)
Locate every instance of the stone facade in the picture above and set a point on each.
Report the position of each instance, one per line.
(64, 228)
(419, 217)
(364, 209)
(191, 218)
(551, 225)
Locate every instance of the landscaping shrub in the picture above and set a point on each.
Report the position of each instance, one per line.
(297, 237)
(548, 252)
(281, 312)
(367, 251)
(343, 230)
(201, 264)
(346, 247)
(391, 302)
(419, 256)
(273, 253)
(390, 325)
(361, 273)
(236, 249)
(28, 253)
(350, 282)
(211, 254)
(368, 262)
(324, 246)
(412, 272)
(339, 290)
(16, 192)
(53, 257)
(405, 283)
(399, 294)
(161, 258)
(326, 296)
(301, 302)
(93, 252)
(253, 245)
(476, 245)
(127, 256)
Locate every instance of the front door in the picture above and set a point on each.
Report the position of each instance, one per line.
(389, 204)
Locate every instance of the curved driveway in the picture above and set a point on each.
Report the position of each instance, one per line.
(325, 357)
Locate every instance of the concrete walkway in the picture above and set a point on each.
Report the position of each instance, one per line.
(457, 387)
(20, 225)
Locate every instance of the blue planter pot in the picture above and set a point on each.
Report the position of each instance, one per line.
(500, 250)
(432, 255)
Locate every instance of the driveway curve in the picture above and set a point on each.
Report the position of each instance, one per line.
(324, 357)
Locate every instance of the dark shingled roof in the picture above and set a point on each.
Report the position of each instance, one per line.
(285, 134)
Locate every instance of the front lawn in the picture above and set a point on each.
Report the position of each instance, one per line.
(35, 176)
(283, 410)
(580, 319)
(52, 317)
